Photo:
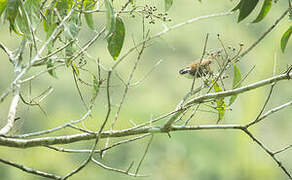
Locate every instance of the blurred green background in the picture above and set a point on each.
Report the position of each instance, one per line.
(206, 155)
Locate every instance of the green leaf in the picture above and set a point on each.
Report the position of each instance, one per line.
(2, 6)
(69, 51)
(50, 23)
(89, 5)
(96, 84)
(168, 4)
(52, 72)
(32, 8)
(89, 20)
(236, 82)
(11, 13)
(110, 19)
(28, 17)
(21, 25)
(12, 9)
(246, 7)
(116, 40)
(285, 38)
(264, 11)
(220, 103)
(237, 6)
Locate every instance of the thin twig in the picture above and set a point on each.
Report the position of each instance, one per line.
(166, 30)
(278, 108)
(144, 155)
(282, 150)
(271, 90)
(39, 133)
(203, 54)
(31, 170)
(98, 150)
(269, 152)
(116, 170)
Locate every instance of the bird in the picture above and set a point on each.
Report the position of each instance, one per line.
(199, 68)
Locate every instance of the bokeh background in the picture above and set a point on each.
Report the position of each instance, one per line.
(206, 155)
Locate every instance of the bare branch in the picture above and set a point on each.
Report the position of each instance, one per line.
(101, 150)
(11, 113)
(31, 170)
(116, 170)
(278, 108)
(238, 90)
(282, 150)
(269, 152)
(144, 155)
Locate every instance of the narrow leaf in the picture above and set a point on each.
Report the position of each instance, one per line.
(89, 20)
(285, 38)
(2, 6)
(89, 5)
(236, 83)
(52, 72)
(168, 4)
(50, 23)
(116, 40)
(69, 51)
(246, 7)
(96, 85)
(110, 18)
(12, 9)
(237, 6)
(11, 13)
(220, 103)
(32, 8)
(264, 11)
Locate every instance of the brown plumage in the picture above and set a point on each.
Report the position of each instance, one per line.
(199, 68)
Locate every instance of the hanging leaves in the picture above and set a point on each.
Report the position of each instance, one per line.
(2, 6)
(11, 13)
(236, 82)
(116, 40)
(50, 22)
(89, 5)
(245, 7)
(219, 102)
(50, 66)
(96, 84)
(285, 38)
(28, 17)
(264, 11)
(110, 19)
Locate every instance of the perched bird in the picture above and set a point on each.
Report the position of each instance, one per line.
(199, 68)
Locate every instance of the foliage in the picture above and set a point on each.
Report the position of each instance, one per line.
(50, 37)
